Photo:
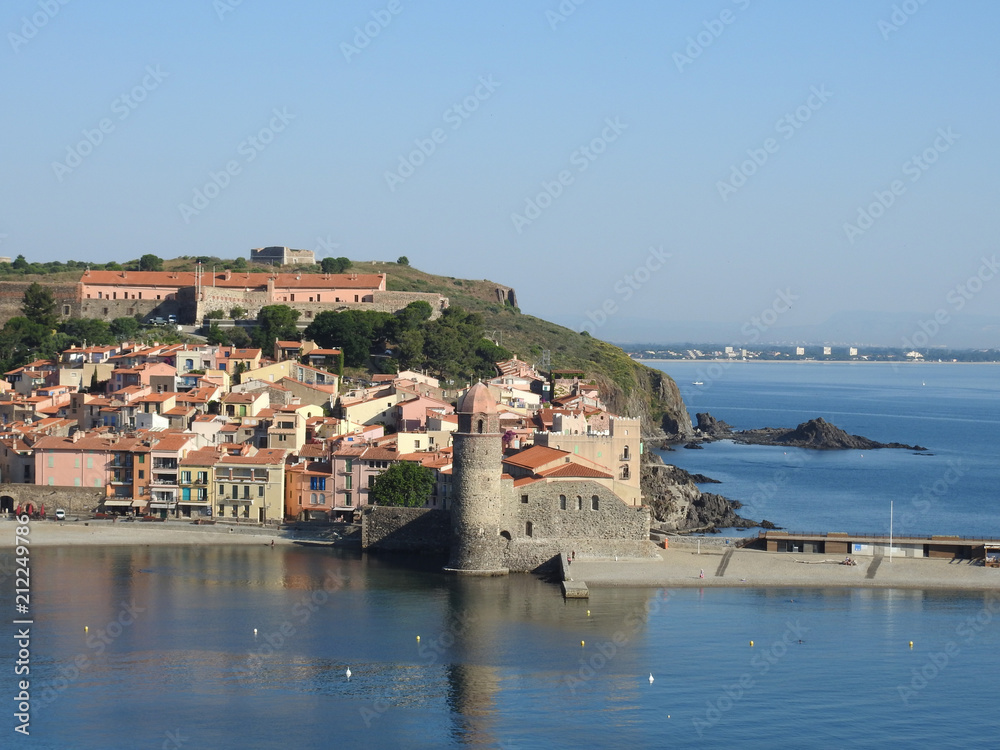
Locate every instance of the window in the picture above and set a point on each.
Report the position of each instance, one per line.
(76, 462)
(222, 489)
(97, 482)
(236, 491)
(312, 498)
(246, 492)
(260, 491)
(562, 502)
(322, 499)
(349, 482)
(317, 483)
(595, 502)
(186, 477)
(52, 461)
(579, 503)
(202, 477)
(236, 510)
(625, 472)
(347, 499)
(142, 474)
(524, 499)
(479, 427)
(527, 528)
(76, 482)
(142, 458)
(625, 453)
(52, 481)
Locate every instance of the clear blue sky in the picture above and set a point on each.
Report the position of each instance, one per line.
(682, 126)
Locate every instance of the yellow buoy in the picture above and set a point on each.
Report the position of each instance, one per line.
(86, 628)
(751, 644)
(588, 613)
(911, 644)
(418, 639)
(582, 643)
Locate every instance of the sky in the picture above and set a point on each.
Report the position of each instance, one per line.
(634, 168)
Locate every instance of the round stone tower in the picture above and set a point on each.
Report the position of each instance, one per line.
(478, 505)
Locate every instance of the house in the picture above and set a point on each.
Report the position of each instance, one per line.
(309, 492)
(196, 483)
(250, 484)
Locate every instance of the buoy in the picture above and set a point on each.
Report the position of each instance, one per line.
(582, 644)
(86, 629)
(418, 639)
(348, 673)
(588, 613)
(751, 644)
(911, 644)
(255, 631)
(650, 678)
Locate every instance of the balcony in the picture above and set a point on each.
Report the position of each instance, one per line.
(165, 480)
(165, 463)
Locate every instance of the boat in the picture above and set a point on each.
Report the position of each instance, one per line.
(697, 382)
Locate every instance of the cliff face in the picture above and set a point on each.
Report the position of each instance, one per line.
(653, 396)
(676, 503)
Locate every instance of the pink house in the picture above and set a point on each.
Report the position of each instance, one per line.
(77, 461)
(412, 415)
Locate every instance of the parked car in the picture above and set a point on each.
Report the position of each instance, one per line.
(60, 514)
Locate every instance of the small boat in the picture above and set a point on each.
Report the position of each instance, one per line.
(697, 382)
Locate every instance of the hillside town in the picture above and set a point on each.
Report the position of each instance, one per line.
(223, 434)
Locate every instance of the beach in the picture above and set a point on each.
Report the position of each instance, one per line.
(125, 533)
(682, 566)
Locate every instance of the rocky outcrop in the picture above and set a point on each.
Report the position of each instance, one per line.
(676, 503)
(816, 434)
(651, 395)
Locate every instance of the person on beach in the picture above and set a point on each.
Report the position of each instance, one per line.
(702, 573)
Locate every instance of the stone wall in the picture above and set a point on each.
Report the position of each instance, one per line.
(12, 296)
(217, 298)
(74, 500)
(405, 529)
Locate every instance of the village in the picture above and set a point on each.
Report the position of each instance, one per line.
(229, 435)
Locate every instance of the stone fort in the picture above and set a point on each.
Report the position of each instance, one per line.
(496, 527)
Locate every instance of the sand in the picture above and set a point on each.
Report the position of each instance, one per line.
(50, 533)
(681, 566)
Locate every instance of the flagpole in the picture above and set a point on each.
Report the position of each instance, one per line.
(890, 531)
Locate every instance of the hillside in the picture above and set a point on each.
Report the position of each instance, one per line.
(628, 387)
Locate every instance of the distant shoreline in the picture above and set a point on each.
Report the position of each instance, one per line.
(808, 362)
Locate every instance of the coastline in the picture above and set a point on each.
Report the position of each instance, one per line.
(681, 565)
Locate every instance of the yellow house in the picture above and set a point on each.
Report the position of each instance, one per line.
(250, 485)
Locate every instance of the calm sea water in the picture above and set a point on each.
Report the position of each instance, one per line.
(171, 659)
(155, 647)
(951, 409)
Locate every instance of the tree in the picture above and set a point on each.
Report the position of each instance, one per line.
(240, 264)
(403, 260)
(275, 322)
(89, 330)
(237, 313)
(335, 265)
(354, 332)
(125, 328)
(39, 305)
(238, 337)
(405, 484)
(112, 266)
(19, 264)
(150, 262)
(216, 336)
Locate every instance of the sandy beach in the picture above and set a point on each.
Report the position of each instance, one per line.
(102, 532)
(682, 566)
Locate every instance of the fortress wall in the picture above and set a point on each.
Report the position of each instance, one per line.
(421, 530)
(12, 295)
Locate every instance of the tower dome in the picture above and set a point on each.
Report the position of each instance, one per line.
(477, 400)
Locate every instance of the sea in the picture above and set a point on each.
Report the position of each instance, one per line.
(249, 646)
